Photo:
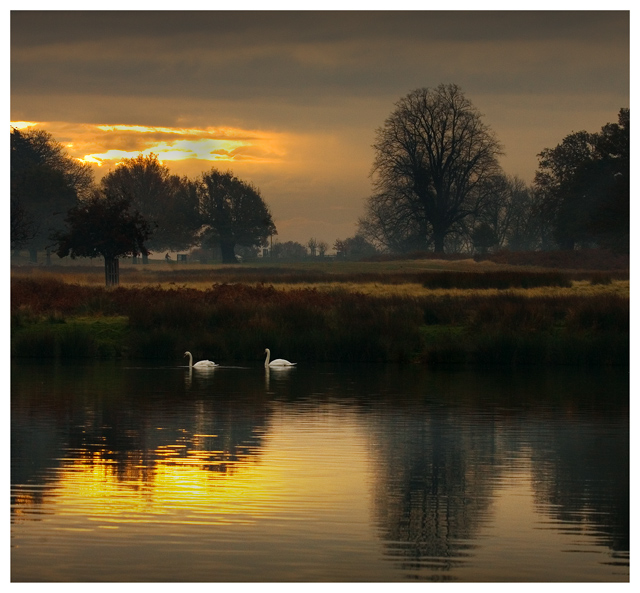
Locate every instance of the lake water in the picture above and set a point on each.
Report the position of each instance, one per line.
(320, 473)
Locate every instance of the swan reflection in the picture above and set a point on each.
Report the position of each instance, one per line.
(204, 373)
(279, 373)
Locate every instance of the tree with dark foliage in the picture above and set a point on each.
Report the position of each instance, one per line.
(484, 237)
(233, 213)
(45, 183)
(583, 187)
(104, 226)
(355, 248)
(289, 250)
(23, 227)
(166, 201)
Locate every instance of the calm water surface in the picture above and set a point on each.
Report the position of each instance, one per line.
(319, 473)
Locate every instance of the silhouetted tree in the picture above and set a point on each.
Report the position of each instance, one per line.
(434, 157)
(355, 247)
(289, 250)
(181, 221)
(559, 169)
(611, 216)
(322, 248)
(526, 230)
(583, 187)
(169, 203)
(23, 228)
(392, 224)
(484, 237)
(509, 213)
(233, 213)
(45, 183)
(104, 226)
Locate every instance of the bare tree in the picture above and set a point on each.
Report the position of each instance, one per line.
(391, 224)
(312, 245)
(434, 157)
(322, 248)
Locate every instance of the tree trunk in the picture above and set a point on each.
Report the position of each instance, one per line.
(438, 241)
(111, 271)
(227, 249)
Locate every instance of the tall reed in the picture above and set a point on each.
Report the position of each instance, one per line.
(235, 322)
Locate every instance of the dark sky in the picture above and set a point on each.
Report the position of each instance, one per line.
(302, 93)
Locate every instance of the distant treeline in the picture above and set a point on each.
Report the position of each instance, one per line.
(573, 259)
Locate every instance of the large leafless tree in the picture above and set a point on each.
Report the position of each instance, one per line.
(434, 161)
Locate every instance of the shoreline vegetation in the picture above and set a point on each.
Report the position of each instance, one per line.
(417, 310)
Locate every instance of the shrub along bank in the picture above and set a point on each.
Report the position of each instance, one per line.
(235, 322)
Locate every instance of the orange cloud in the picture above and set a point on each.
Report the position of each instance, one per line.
(109, 143)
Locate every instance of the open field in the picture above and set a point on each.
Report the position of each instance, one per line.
(421, 311)
(409, 277)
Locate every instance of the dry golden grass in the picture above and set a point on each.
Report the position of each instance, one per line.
(579, 287)
(350, 318)
(201, 277)
(92, 272)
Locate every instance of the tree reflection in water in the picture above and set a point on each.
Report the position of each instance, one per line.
(440, 446)
(441, 457)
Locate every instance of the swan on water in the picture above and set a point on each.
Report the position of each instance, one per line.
(203, 364)
(278, 362)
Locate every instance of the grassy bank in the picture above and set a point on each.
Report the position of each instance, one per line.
(478, 323)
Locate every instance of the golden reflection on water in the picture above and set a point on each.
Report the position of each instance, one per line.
(212, 487)
(181, 484)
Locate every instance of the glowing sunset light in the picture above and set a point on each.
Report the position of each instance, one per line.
(211, 144)
(21, 125)
(99, 144)
(302, 93)
(110, 155)
(142, 129)
(203, 149)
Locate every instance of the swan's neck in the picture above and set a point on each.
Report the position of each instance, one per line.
(266, 362)
(190, 359)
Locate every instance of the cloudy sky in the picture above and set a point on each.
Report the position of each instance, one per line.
(291, 100)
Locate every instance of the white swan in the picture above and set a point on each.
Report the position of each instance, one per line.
(203, 364)
(278, 362)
